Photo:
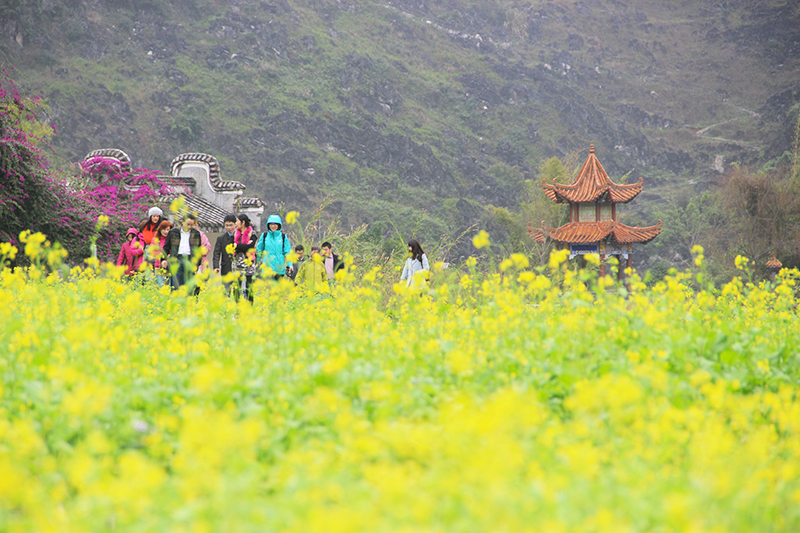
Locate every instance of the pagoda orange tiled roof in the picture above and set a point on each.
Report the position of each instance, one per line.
(591, 232)
(591, 185)
(774, 263)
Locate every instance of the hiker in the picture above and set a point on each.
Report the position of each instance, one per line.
(416, 270)
(202, 264)
(300, 252)
(131, 253)
(149, 226)
(333, 262)
(272, 248)
(244, 260)
(183, 243)
(222, 261)
(311, 275)
(206, 244)
(156, 255)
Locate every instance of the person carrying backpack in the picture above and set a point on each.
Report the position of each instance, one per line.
(272, 248)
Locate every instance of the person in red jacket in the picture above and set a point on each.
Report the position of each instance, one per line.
(149, 226)
(131, 254)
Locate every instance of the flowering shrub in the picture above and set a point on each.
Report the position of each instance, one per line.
(518, 400)
(34, 197)
(29, 196)
(121, 195)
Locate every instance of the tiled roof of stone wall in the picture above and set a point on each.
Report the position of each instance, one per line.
(217, 183)
(210, 216)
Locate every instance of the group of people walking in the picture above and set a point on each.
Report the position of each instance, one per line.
(177, 253)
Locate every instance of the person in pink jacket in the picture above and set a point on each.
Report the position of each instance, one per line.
(205, 243)
(132, 252)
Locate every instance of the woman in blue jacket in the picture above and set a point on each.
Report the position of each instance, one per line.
(272, 248)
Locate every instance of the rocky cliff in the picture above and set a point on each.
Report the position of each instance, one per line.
(409, 106)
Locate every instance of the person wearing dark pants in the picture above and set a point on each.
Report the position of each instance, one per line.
(245, 259)
(333, 263)
(183, 249)
(300, 252)
(222, 260)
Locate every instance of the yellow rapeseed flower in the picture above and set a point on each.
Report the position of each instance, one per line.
(178, 205)
(527, 276)
(520, 260)
(102, 222)
(8, 250)
(557, 257)
(124, 406)
(481, 240)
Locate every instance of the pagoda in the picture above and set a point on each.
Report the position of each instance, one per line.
(593, 226)
(773, 267)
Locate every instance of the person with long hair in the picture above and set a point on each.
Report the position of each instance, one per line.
(417, 269)
(244, 259)
(149, 226)
(155, 252)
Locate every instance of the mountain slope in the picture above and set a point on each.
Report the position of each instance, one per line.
(403, 107)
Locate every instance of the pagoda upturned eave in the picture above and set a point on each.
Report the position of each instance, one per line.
(589, 192)
(591, 185)
(593, 232)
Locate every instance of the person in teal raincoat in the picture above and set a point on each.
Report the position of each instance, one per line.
(272, 249)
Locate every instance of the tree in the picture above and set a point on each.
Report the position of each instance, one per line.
(689, 221)
(762, 212)
(534, 208)
(538, 209)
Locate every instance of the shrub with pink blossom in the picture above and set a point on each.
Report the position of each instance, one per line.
(124, 196)
(33, 197)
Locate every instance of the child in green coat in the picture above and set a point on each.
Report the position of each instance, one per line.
(312, 276)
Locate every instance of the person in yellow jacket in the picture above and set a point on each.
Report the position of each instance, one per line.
(312, 275)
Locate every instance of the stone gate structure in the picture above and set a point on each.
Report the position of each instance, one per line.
(196, 178)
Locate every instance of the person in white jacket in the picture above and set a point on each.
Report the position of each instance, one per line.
(417, 269)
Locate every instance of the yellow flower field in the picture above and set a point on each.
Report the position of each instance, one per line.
(519, 400)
